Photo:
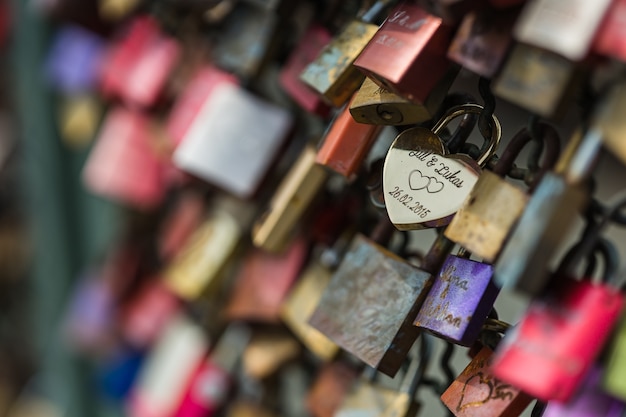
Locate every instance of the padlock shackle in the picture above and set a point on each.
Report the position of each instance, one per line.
(463, 109)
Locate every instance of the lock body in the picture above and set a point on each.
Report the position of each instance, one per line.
(223, 151)
(459, 301)
(589, 401)
(528, 356)
(612, 32)
(123, 164)
(610, 122)
(565, 28)
(482, 41)
(613, 380)
(295, 193)
(369, 305)
(309, 47)
(267, 353)
(329, 389)
(347, 144)
(487, 216)
(332, 75)
(78, 119)
(407, 54)
(476, 392)
(300, 304)
(536, 80)
(263, 283)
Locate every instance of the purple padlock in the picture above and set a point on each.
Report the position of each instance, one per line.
(459, 301)
(590, 401)
(74, 60)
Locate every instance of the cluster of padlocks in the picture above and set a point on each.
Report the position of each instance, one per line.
(267, 265)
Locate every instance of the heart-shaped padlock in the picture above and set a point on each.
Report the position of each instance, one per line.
(424, 186)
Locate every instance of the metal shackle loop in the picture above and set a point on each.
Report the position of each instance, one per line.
(463, 109)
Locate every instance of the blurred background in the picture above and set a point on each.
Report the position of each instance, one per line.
(120, 270)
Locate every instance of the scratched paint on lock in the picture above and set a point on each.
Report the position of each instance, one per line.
(459, 301)
(368, 300)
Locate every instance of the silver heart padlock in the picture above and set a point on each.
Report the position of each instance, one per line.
(423, 184)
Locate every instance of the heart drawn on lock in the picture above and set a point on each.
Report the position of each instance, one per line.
(412, 202)
(481, 388)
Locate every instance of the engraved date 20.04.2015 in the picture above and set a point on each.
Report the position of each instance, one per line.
(407, 201)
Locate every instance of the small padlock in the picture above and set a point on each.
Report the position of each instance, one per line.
(328, 390)
(300, 304)
(302, 183)
(569, 312)
(263, 283)
(609, 40)
(493, 206)
(267, 353)
(565, 28)
(223, 151)
(161, 383)
(589, 401)
(536, 80)
(72, 64)
(613, 379)
(482, 40)
(346, 144)
(550, 213)
(459, 301)
(197, 267)
(118, 372)
(190, 101)
(79, 117)
(244, 42)
(116, 10)
(208, 388)
(609, 121)
(423, 185)
(332, 74)
(374, 104)
(408, 53)
(185, 217)
(477, 393)
(311, 44)
(123, 164)
(382, 293)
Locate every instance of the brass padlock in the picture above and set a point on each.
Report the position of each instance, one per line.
(537, 80)
(292, 197)
(493, 206)
(300, 304)
(374, 104)
(332, 74)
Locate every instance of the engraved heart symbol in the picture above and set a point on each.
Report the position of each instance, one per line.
(417, 181)
(418, 154)
(434, 186)
(476, 394)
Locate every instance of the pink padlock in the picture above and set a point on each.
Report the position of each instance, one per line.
(124, 165)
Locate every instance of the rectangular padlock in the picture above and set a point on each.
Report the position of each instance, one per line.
(346, 144)
(292, 197)
(477, 393)
(197, 267)
(263, 283)
(328, 390)
(374, 104)
(300, 304)
(369, 305)
(189, 103)
(528, 356)
(608, 119)
(160, 386)
(611, 37)
(482, 40)
(208, 388)
(268, 353)
(408, 53)
(589, 401)
(123, 164)
(118, 372)
(74, 59)
(309, 47)
(613, 381)
(332, 74)
(536, 80)
(459, 301)
(566, 28)
(79, 117)
(185, 217)
(222, 150)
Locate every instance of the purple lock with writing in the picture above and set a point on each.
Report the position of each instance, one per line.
(74, 58)
(459, 301)
(590, 401)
